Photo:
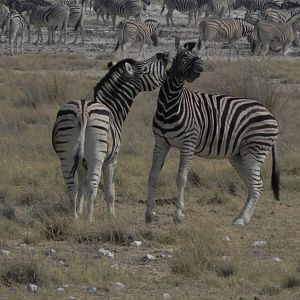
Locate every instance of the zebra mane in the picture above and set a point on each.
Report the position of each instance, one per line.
(110, 73)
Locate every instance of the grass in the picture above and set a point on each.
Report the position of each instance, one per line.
(34, 209)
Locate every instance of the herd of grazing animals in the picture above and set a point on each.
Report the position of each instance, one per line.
(87, 133)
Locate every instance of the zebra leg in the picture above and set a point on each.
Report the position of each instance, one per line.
(169, 16)
(190, 16)
(22, 36)
(248, 168)
(109, 170)
(17, 48)
(186, 157)
(113, 17)
(286, 50)
(160, 152)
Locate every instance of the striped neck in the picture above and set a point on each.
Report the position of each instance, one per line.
(117, 95)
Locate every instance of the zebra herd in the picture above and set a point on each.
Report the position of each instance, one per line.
(87, 134)
(267, 24)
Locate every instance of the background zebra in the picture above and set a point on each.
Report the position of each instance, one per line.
(212, 126)
(277, 36)
(4, 13)
(225, 30)
(15, 25)
(75, 21)
(102, 7)
(52, 17)
(190, 6)
(218, 8)
(131, 31)
(87, 134)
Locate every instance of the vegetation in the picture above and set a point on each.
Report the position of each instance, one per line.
(205, 253)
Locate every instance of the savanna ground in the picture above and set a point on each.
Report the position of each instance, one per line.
(203, 258)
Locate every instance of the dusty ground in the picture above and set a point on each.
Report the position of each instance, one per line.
(189, 264)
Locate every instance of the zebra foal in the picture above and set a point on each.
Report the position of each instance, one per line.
(212, 126)
(225, 30)
(131, 31)
(15, 25)
(87, 134)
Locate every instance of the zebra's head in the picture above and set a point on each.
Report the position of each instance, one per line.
(187, 64)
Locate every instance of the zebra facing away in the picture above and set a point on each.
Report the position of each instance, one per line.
(225, 30)
(131, 31)
(190, 6)
(87, 134)
(212, 126)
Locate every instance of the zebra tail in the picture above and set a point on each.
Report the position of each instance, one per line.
(163, 7)
(80, 144)
(201, 29)
(117, 46)
(275, 173)
(79, 22)
(256, 38)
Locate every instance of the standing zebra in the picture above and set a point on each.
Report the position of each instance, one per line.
(254, 5)
(212, 126)
(190, 6)
(131, 31)
(126, 9)
(55, 16)
(87, 134)
(277, 36)
(225, 30)
(76, 21)
(4, 13)
(102, 7)
(219, 8)
(15, 25)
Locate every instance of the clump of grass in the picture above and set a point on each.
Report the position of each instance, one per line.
(53, 88)
(226, 268)
(200, 249)
(291, 281)
(27, 269)
(157, 235)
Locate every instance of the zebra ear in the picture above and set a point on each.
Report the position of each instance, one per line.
(129, 68)
(177, 43)
(111, 64)
(189, 46)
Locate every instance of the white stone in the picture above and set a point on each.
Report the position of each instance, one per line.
(92, 290)
(166, 255)
(104, 253)
(225, 258)
(120, 285)
(115, 266)
(31, 287)
(148, 257)
(5, 252)
(260, 243)
(166, 296)
(227, 239)
(136, 243)
(60, 289)
(276, 259)
(65, 286)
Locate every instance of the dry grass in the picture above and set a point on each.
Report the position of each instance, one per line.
(34, 209)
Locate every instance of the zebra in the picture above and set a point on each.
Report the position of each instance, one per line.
(55, 16)
(4, 14)
(190, 6)
(126, 9)
(218, 8)
(87, 134)
(225, 30)
(102, 7)
(76, 21)
(212, 126)
(15, 25)
(276, 15)
(277, 36)
(140, 32)
(254, 5)
(296, 28)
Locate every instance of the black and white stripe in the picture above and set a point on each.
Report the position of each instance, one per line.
(87, 134)
(183, 6)
(76, 21)
(225, 30)
(212, 126)
(141, 33)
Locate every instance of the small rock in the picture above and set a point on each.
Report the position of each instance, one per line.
(276, 259)
(104, 253)
(165, 255)
(5, 252)
(65, 286)
(115, 266)
(71, 298)
(31, 287)
(227, 239)
(50, 252)
(260, 244)
(23, 245)
(148, 257)
(166, 296)
(225, 258)
(92, 290)
(136, 243)
(120, 285)
(60, 289)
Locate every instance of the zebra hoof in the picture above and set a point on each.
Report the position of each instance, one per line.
(239, 222)
(178, 217)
